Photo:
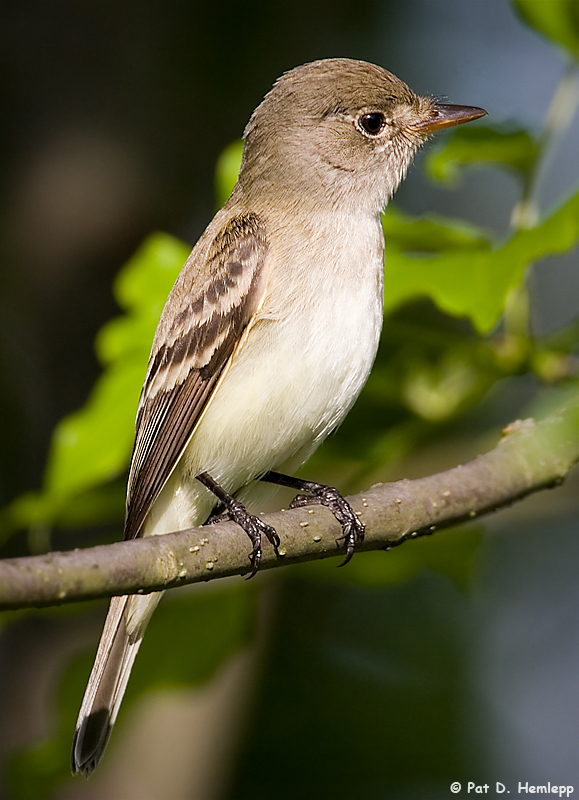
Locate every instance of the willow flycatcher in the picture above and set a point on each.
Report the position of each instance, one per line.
(270, 331)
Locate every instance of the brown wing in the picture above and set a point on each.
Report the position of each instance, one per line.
(207, 311)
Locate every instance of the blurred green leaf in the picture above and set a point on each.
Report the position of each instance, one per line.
(227, 170)
(92, 446)
(435, 390)
(98, 505)
(429, 234)
(558, 20)
(515, 149)
(476, 284)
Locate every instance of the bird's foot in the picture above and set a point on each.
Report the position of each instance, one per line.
(235, 511)
(352, 529)
(319, 493)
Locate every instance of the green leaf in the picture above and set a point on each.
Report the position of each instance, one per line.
(428, 234)
(227, 170)
(92, 446)
(513, 149)
(476, 284)
(558, 20)
(435, 390)
(147, 278)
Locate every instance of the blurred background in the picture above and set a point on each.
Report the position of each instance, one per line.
(455, 663)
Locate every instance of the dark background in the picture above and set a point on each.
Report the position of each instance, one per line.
(113, 115)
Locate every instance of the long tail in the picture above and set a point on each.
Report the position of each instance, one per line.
(120, 641)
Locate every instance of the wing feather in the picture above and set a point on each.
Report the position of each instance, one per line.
(205, 316)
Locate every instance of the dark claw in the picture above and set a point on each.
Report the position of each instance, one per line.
(351, 538)
(302, 500)
(352, 528)
(353, 535)
(236, 512)
(255, 556)
(254, 528)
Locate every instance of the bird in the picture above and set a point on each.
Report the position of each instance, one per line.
(270, 331)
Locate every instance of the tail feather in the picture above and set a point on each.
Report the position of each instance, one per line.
(120, 641)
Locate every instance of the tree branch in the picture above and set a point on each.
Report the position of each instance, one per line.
(530, 456)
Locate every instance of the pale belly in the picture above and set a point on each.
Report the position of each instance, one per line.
(288, 386)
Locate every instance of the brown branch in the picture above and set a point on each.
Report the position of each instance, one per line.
(530, 456)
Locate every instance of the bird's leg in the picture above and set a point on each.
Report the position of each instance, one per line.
(252, 525)
(352, 528)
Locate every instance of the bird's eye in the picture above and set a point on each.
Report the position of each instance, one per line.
(372, 123)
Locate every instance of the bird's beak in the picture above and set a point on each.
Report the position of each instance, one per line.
(446, 116)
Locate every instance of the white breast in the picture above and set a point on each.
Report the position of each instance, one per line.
(299, 370)
(308, 355)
